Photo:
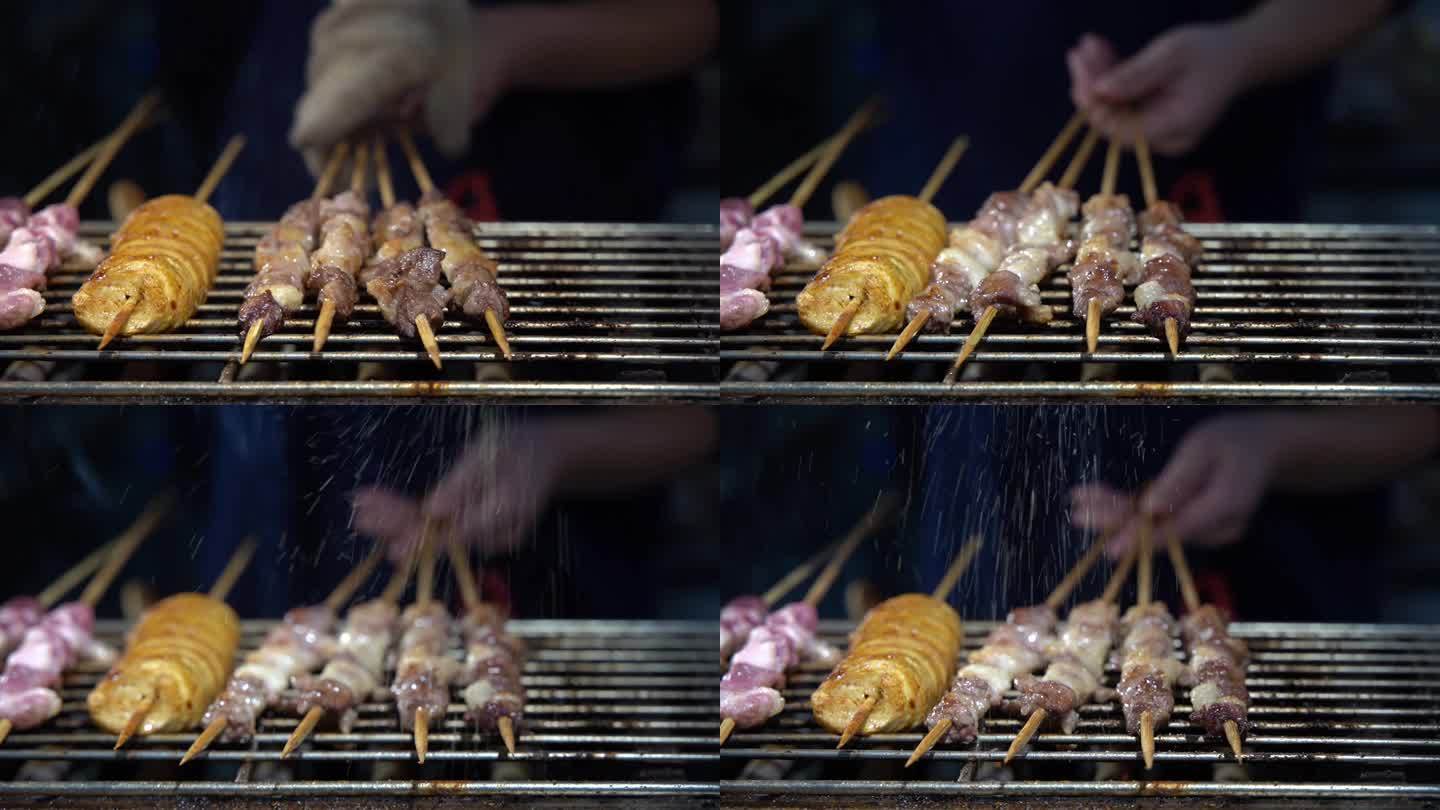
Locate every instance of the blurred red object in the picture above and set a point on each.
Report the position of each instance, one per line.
(471, 191)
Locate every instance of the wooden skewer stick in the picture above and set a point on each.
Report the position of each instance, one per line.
(858, 121)
(1067, 181)
(252, 338)
(125, 545)
(1147, 738)
(875, 517)
(424, 593)
(957, 568)
(427, 339)
(727, 727)
(1112, 590)
(63, 174)
(332, 168)
(417, 166)
(497, 331)
(842, 322)
(222, 165)
(1092, 325)
(857, 721)
(1145, 577)
(944, 168)
(206, 737)
(132, 725)
(1172, 337)
(1077, 572)
(382, 173)
(791, 171)
(422, 733)
(118, 322)
(1112, 166)
(112, 145)
(74, 575)
(908, 334)
(1052, 154)
(507, 733)
(799, 574)
(233, 569)
(357, 170)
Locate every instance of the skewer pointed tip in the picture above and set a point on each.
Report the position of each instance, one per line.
(1147, 739)
(133, 724)
(1032, 724)
(252, 337)
(1172, 336)
(842, 322)
(307, 723)
(117, 323)
(5, 726)
(857, 721)
(427, 338)
(422, 733)
(497, 331)
(908, 334)
(727, 727)
(929, 742)
(1232, 733)
(1092, 325)
(203, 741)
(323, 322)
(971, 343)
(507, 734)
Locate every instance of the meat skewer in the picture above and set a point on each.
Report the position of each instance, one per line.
(882, 259)
(1012, 650)
(1077, 666)
(37, 243)
(1104, 264)
(175, 662)
(345, 244)
(424, 671)
(1219, 701)
(163, 262)
(765, 243)
(295, 647)
(743, 614)
(736, 212)
(975, 250)
(20, 613)
(355, 669)
(1149, 666)
(282, 262)
(29, 687)
(901, 658)
(491, 677)
(750, 690)
(1165, 297)
(1041, 245)
(470, 271)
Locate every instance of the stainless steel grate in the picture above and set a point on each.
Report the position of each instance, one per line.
(621, 711)
(1340, 712)
(1289, 311)
(609, 311)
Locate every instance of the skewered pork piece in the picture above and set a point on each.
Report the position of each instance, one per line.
(1149, 666)
(738, 618)
(1168, 252)
(344, 245)
(424, 671)
(408, 286)
(491, 673)
(754, 252)
(469, 270)
(974, 251)
(176, 662)
(1077, 665)
(749, 692)
(36, 246)
(1217, 665)
(16, 616)
(282, 261)
(1011, 651)
(353, 673)
(14, 212)
(1104, 263)
(735, 213)
(900, 661)
(1013, 289)
(397, 229)
(295, 647)
(33, 671)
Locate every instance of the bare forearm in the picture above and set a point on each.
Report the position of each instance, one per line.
(624, 449)
(601, 43)
(1338, 449)
(1281, 38)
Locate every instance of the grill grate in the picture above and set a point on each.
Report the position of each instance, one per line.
(1289, 311)
(609, 311)
(1339, 712)
(616, 710)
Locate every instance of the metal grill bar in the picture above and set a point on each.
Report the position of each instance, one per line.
(642, 729)
(598, 311)
(1337, 711)
(1292, 311)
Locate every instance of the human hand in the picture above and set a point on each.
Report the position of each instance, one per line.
(396, 60)
(1207, 493)
(1173, 91)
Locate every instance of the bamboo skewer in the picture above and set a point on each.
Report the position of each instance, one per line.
(857, 122)
(112, 145)
(982, 325)
(207, 187)
(398, 580)
(796, 575)
(1053, 601)
(74, 575)
(1192, 604)
(332, 168)
(1144, 583)
(791, 171)
(218, 591)
(424, 593)
(1037, 717)
(382, 173)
